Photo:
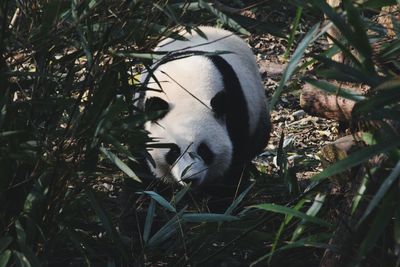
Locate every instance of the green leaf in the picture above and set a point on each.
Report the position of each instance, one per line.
(167, 230)
(178, 196)
(224, 18)
(208, 217)
(361, 190)
(312, 211)
(235, 203)
(386, 94)
(21, 236)
(106, 222)
(310, 241)
(293, 63)
(390, 51)
(258, 26)
(285, 222)
(361, 40)
(289, 211)
(5, 257)
(5, 241)
(20, 259)
(9, 133)
(383, 189)
(127, 54)
(293, 30)
(356, 158)
(120, 164)
(356, 37)
(333, 89)
(162, 201)
(378, 3)
(149, 220)
(380, 221)
(342, 72)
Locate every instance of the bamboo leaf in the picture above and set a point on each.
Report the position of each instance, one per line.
(293, 63)
(238, 200)
(5, 257)
(162, 201)
(382, 192)
(290, 211)
(106, 222)
(20, 259)
(333, 89)
(166, 231)
(294, 26)
(379, 223)
(120, 164)
(356, 158)
(149, 220)
(224, 18)
(208, 217)
(5, 241)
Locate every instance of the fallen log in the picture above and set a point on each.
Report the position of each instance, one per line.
(322, 104)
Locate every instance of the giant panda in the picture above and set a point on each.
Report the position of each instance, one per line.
(215, 116)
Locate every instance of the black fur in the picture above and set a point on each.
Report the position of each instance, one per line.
(237, 118)
(173, 154)
(218, 104)
(154, 104)
(205, 153)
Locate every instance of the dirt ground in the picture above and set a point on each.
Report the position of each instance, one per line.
(304, 135)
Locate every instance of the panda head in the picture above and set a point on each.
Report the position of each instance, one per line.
(198, 148)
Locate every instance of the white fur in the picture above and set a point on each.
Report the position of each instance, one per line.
(189, 122)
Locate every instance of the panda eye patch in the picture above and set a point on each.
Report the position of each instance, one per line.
(205, 153)
(219, 104)
(173, 154)
(154, 104)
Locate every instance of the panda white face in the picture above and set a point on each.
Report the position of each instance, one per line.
(199, 149)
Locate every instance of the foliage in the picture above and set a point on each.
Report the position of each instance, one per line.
(70, 133)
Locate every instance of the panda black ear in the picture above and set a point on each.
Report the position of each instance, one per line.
(219, 104)
(157, 104)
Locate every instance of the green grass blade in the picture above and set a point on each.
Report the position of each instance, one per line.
(5, 241)
(312, 211)
(293, 63)
(208, 217)
(356, 158)
(285, 222)
(179, 196)
(290, 211)
(378, 226)
(162, 201)
(310, 241)
(224, 18)
(386, 94)
(389, 181)
(106, 222)
(295, 25)
(237, 201)
(259, 27)
(342, 72)
(149, 220)
(361, 40)
(120, 164)
(333, 89)
(20, 259)
(5, 257)
(166, 231)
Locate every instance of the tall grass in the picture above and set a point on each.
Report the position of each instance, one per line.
(70, 133)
